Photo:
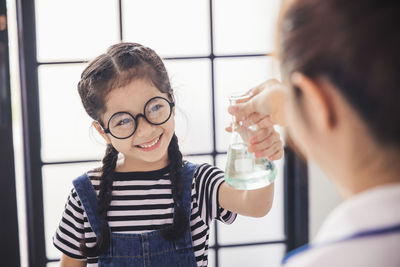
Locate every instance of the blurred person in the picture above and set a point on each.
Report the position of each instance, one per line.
(340, 64)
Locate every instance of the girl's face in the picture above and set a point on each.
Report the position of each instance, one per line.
(147, 148)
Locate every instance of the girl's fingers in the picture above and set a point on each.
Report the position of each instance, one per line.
(278, 155)
(272, 151)
(266, 143)
(261, 135)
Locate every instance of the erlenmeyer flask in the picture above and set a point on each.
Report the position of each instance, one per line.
(243, 170)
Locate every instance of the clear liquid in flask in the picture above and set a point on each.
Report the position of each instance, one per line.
(243, 170)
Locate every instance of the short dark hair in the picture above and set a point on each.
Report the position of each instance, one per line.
(355, 44)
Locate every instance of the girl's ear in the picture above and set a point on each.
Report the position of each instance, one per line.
(315, 101)
(100, 130)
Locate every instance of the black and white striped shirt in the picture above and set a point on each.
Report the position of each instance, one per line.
(142, 202)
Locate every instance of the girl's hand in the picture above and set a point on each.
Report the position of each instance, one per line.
(264, 142)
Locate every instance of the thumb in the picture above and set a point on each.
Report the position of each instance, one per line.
(242, 110)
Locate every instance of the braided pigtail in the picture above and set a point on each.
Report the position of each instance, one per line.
(104, 200)
(180, 222)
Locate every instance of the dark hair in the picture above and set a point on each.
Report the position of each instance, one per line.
(356, 46)
(121, 64)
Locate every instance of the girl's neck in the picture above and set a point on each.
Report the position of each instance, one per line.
(124, 165)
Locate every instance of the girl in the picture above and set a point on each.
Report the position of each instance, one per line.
(342, 110)
(151, 208)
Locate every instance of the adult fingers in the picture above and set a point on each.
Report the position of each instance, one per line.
(242, 110)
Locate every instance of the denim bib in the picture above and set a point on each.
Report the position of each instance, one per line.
(146, 249)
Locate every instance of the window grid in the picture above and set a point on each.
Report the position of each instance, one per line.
(33, 163)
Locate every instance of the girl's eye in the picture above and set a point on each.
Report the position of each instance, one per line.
(155, 108)
(123, 122)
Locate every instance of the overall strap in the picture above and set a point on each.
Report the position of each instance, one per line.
(88, 198)
(188, 173)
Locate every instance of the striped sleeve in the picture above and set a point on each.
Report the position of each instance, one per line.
(71, 228)
(208, 179)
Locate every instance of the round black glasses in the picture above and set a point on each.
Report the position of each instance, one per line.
(123, 125)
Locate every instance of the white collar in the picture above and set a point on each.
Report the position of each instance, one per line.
(374, 208)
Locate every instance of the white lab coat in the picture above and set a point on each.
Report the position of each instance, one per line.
(374, 209)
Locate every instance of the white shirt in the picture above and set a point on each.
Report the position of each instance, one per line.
(374, 209)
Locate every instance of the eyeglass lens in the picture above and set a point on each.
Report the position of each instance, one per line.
(123, 124)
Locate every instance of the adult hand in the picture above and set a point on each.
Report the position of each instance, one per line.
(263, 108)
(265, 99)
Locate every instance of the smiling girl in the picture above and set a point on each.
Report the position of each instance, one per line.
(150, 208)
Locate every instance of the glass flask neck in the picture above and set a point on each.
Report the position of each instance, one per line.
(240, 134)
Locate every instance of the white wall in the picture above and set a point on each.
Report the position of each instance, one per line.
(323, 198)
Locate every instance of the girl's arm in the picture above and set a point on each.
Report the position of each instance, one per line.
(253, 203)
(67, 261)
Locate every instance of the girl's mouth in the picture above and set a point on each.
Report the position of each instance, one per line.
(155, 143)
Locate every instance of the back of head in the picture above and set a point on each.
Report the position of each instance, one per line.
(356, 46)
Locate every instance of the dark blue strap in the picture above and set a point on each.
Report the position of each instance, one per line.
(188, 173)
(363, 234)
(87, 195)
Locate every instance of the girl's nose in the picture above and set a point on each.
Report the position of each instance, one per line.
(144, 128)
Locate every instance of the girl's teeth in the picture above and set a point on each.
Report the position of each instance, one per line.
(150, 145)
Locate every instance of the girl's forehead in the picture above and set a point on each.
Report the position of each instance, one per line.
(135, 92)
(131, 97)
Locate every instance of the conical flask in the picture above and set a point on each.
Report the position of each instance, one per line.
(243, 170)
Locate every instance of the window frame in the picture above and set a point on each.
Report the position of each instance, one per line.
(295, 170)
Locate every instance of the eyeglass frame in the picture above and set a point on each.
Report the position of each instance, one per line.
(136, 118)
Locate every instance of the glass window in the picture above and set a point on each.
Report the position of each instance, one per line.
(75, 30)
(191, 82)
(66, 129)
(57, 185)
(265, 255)
(80, 30)
(248, 229)
(244, 26)
(171, 28)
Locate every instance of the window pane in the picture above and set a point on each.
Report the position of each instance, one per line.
(57, 184)
(73, 29)
(65, 127)
(248, 229)
(266, 255)
(190, 80)
(211, 258)
(171, 28)
(244, 26)
(237, 75)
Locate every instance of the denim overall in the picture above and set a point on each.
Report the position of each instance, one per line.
(146, 249)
